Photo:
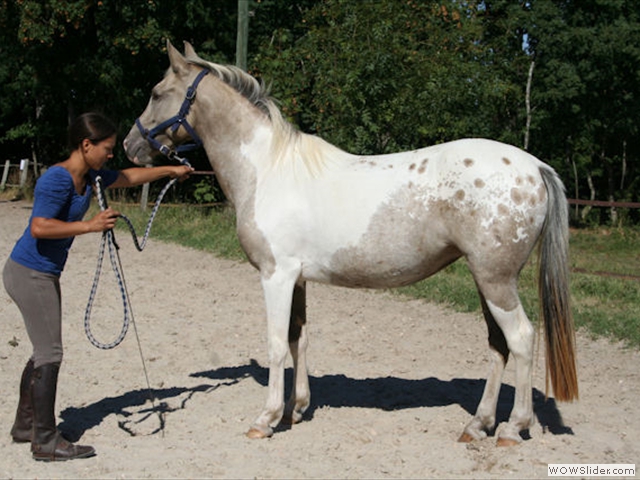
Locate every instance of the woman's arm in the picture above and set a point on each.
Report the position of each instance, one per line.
(130, 177)
(51, 228)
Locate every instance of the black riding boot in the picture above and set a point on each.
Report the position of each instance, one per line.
(47, 443)
(21, 431)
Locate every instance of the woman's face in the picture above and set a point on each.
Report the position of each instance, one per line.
(98, 154)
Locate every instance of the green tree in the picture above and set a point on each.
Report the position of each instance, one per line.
(376, 77)
(587, 93)
(66, 57)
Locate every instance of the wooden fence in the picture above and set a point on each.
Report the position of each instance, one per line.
(23, 168)
(599, 203)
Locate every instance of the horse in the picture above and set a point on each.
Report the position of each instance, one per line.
(308, 211)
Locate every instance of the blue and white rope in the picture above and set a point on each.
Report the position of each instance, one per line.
(108, 238)
(141, 244)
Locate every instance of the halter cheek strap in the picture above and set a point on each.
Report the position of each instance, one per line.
(175, 122)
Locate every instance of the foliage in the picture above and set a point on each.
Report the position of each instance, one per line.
(382, 76)
(66, 57)
(587, 95)
(205, 192)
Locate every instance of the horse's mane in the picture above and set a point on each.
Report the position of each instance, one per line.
(289, 143)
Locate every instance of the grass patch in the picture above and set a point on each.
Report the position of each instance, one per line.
(13, 194)
(606, 250)
(603, 305)
(211, 229)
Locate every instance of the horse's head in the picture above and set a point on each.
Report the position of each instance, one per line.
(165, 125)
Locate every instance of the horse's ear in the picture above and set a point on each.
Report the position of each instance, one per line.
(179, 64)
(189, 51)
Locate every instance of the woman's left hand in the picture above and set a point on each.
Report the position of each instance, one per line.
(181, 172)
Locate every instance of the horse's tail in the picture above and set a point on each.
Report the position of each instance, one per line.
(553, 289)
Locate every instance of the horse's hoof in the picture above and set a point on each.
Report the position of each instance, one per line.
(255, 433)
(465, 438)
(507, 442)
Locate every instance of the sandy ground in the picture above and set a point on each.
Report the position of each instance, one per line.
(393, 381)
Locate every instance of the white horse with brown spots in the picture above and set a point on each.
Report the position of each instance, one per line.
(308, 211)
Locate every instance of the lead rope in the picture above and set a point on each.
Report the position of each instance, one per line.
(108, 239)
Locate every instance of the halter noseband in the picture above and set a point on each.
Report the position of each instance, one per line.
(176, 122)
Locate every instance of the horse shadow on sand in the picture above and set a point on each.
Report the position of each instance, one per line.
(335, 391)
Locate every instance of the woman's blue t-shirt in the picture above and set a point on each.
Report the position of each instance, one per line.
(55, 197)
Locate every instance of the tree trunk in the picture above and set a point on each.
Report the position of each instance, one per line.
(592, 197)
(528, 105)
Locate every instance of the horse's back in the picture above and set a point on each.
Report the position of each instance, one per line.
(457, 193)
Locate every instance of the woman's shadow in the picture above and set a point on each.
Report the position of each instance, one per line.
(335, 391)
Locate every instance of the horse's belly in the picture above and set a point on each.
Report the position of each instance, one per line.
(385, 267)
(396, 249)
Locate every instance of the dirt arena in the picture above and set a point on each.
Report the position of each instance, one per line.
(393, 381)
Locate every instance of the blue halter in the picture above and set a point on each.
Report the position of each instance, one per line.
(174, 123)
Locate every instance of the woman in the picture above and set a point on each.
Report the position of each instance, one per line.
(31, 274)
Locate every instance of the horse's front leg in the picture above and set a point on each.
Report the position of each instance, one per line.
(278, 293)
(300, 393)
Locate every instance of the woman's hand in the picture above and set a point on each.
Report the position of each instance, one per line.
(181, 172)
(52, 228)
(104, 220)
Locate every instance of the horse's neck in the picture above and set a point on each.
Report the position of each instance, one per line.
(236, 138)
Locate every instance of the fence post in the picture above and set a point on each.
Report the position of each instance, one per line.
(5, 174)
(144, 198)
(24, 171)
(34, 161)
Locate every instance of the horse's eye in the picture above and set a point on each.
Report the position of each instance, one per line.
(155, 95)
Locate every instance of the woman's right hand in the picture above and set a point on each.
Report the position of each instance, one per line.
(104, 220)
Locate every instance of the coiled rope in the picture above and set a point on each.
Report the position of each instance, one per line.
(108, 239)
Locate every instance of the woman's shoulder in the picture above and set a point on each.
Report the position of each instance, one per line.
(56, 171)
(56, 178)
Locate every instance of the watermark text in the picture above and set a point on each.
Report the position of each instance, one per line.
(591, 470)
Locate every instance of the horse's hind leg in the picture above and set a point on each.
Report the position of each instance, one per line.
(506, 312)
(520, 337)
(300, 393)
(485, 417)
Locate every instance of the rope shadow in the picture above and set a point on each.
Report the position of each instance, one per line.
(393, 393)
(77, 420)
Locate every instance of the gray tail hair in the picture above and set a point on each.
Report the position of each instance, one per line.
(554, 292)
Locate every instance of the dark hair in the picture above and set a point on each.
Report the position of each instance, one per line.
(93, 126)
